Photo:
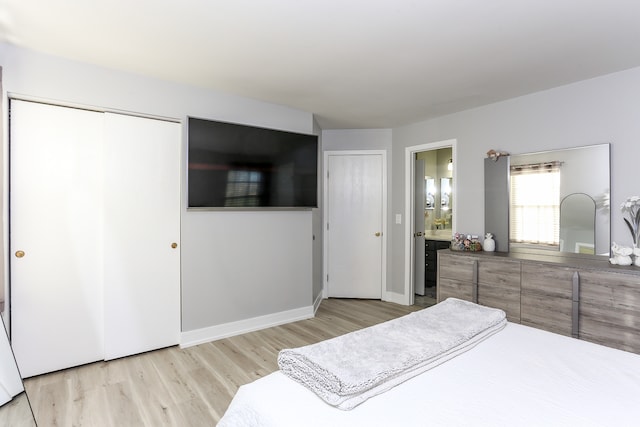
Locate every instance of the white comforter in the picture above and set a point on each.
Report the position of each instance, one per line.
(518, 377)
(347, 370)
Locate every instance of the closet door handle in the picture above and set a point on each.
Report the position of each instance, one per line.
(174, 245)
(19, 254)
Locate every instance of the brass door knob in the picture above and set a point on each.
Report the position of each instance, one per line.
(19, 254)
(174, 245)
(378, 234)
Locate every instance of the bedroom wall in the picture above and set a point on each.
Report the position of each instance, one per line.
(235, 266)
(600, 110)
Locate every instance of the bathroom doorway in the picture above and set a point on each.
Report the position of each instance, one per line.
(430, 215)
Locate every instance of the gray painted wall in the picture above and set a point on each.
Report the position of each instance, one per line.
(235, 265)
(595, 111)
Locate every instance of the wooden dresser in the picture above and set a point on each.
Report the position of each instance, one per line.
(574, 295)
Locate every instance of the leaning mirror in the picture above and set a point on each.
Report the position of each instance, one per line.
(15, 409)
(556, 200)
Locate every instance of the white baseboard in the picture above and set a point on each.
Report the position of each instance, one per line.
(316, 303)
(212, 333)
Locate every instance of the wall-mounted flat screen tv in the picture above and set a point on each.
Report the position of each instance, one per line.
(238, 166)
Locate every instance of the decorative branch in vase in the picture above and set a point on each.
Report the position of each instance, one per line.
(623, 255)
(631, 207)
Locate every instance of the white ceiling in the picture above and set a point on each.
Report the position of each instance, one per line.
(353, 63)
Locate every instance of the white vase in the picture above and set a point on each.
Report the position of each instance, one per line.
(489, 245)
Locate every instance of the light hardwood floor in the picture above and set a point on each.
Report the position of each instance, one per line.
(192, 386)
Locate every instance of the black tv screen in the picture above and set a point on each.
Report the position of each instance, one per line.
(238, 166)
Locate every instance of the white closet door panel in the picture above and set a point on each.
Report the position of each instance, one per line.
(55, 217)
(142, 220)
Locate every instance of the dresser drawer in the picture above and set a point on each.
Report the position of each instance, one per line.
(503, 273)
(544, 312)
(504, 298)
(548, 280)
(456, 267)
(610, 309)
(454, 288)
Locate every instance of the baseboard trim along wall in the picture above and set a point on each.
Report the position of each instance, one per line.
(213, 333)
(317, 302)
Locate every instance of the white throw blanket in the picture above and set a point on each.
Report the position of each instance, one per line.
(349, 369)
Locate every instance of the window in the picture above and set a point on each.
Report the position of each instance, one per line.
(244, 188)
(535, 204)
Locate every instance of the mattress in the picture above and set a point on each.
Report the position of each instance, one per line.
(520, 376)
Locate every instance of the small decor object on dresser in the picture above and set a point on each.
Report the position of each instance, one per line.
(489, 244)
(465, 242)
(621, 255)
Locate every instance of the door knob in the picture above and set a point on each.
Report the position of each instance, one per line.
(418, 234)
(174, 245)
(19, 254)
(378, 234)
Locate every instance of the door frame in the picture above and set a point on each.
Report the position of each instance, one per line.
(325, 216)
(409, 227)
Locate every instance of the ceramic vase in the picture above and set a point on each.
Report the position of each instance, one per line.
(489, 245)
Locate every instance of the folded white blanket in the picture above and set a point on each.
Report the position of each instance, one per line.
(349, 369)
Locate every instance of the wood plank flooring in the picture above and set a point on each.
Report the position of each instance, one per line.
(192, 386)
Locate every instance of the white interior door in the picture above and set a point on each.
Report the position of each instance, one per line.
(56, 252)
(418, 221)
(355, 225)
(141, 224)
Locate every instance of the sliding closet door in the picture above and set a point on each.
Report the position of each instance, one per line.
(141, 234)
(56, 251)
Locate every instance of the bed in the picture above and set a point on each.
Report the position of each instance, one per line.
(519, 376)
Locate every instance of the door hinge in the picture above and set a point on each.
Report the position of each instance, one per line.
(327, 277)
(327, 226)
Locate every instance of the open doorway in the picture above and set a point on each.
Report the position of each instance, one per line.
(430, 208)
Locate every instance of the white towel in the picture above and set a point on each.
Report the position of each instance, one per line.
(349, 369)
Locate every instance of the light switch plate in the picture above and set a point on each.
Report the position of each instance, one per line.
(398, 218)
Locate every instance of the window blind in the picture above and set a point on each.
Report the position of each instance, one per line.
(535, 204)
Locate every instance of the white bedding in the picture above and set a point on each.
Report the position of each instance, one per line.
(347, 370)
(519, 377)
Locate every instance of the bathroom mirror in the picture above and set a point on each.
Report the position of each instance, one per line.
(575, 181)
(445, 194)
(430, 196)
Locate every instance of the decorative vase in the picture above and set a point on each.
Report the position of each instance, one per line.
(489, 244)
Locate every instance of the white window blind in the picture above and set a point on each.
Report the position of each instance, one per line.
(535, 204)
(244, 188)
